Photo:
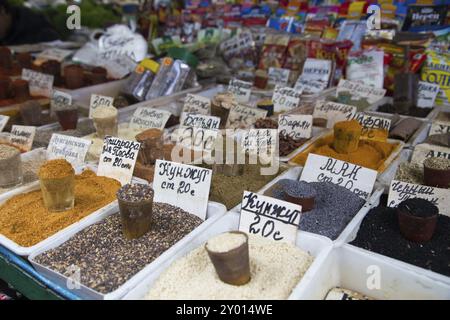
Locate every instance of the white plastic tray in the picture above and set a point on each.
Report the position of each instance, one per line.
(214, 212)
(373, 108)
(317, 246)
(73, 228)
(351, 268)
(351, 235)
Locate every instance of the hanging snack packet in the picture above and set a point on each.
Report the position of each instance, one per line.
(274, 51)
(437, 70)
(354, 31)
(366, 67)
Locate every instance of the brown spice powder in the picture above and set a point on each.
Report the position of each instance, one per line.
(25, 220)
(56, 169)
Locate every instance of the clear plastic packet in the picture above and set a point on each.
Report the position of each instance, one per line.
(366, 67)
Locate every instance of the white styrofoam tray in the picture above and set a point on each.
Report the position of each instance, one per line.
(373, 108)
(81, 224)
(317, 246)
(350, 236)
(351, 268)
(214, 212)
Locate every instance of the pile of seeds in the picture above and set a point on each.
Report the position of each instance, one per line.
(437, 163)
(334, 207)
(288, 144)
(107, 259)
(410, 173)
(300, 189)
(135, 192)
(6, 152)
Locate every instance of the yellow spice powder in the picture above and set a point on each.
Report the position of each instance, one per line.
(56, 169)
(25, 220)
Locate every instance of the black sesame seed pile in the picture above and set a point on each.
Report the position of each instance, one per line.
(107, 259)
(135, 192)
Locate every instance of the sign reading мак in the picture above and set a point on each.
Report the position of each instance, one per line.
(357, 179)
(183, 186)
(73, 149)
(269, 217)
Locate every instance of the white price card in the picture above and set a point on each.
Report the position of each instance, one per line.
(357, 179)
(40, 84)
(370, 122)
(240, 89)
(269, 217)
(196, 104)
(98, 100)
(296, 126)
(73, 149)
(147, 118)
(427, 93)
(196, 138)
(183, 186)
(199, 121)
(285, 99)
(438, 127)
(359, 90)
(118, 159)
(54, 54)
(315, 75)
(400, 191)
(61, 99)
(260, 141)
(278, 76)
(3, 121)
(425, 150)
(333, 112)
(22, 136)
(243, 116)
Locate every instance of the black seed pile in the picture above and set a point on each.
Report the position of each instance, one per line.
(380, 233)
(335, 206)
(107, 259)
(419, 207)
(300, 189)
(135, 192)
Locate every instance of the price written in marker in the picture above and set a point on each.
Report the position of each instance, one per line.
(3, 121)
(183, 186)
(285, 99)
(22, 136)
(438, 127)
(425, 150)
(54, 54)
(427, 93)
(196, 104)
(196, 138)
(61, 99)
(315, 76)
(240, 89)
(400, 191)
(278, 76)
(270, 218)
(357, 179)
(98, 101)
(243, 117)
(72, 149)
(147, 118)
(296, 126)
(359, 90)
(260, 141)
(370, 123)
(118, 159)
(199, 121)
(40, 84)
(333, 112)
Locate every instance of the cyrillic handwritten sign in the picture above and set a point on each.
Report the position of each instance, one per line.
(357, 179)
(243, 117)
(427, 93)
(285, 99)
(438, 127)
(147, 118)
(269, 217)
(278, 76)
(370, 122)
(73, 149)
(197, 138)
(196, 104)
(425, 150)
(333, 112)
(22, 136)
(61, 99)
(98, 100)
(40, 84)
(359, 90)
(296, 126)
(240, 89)
(260, 141)
(199, 121)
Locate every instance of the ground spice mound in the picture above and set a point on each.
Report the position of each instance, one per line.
(25, 220)
(56, 169)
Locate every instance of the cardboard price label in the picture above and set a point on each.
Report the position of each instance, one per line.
(438, 127)
(425, 150)
(72, 149)
(40, 84)
(296, 126)
(269, 217)
(118, 159)
(285, 99)
(61, 99)
(370, 122)
(315, 75)
(243, 117)
(22, 136)
(99, 100)
(182, 186)
(240, 89)
(195, 138)
(278, 76)
(260, 141)
(427, 93)
(400, 191)
(357, 179)
(359, 90)
(199, 121)
(147, 118)
(54, 54)
(333, 112)
(3, 121)
(196, 104)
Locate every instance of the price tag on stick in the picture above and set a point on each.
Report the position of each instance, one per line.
(285, 99)
(40, 84)
(241, 90)
(196, 104)
(357, 179)
(118, 159)
(182, 186)
(199, 121)
(269, 217)
(72, 149)
(23, 136)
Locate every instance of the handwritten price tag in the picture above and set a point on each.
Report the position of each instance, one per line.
(425, 150)
(370, 122)
(22, 136)
(296, 126)
(118, 159)
(72, 149)
(359, 90)
(3, 121)
(278, 76)
(427, 93)
(285, 99)
(40, 84)
(197, 138)
(333, 112)
(240, 89)
(99, 100)
(199, 121)
(438, 127)
(400, 191)
(357, 179)
(243, 117)
(270, 218)
(147, 118)
(260, 141)
(196, 104)
(182, 186)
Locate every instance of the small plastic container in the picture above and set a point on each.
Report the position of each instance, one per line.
(135, 205)
(98, 75)
(73, 76)
(105, 121)
(405, 92)
(31, 113)
(141, 79)
(415, 227)
(433, 177)
(10, 167)
(67, 117)
(53, 67)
